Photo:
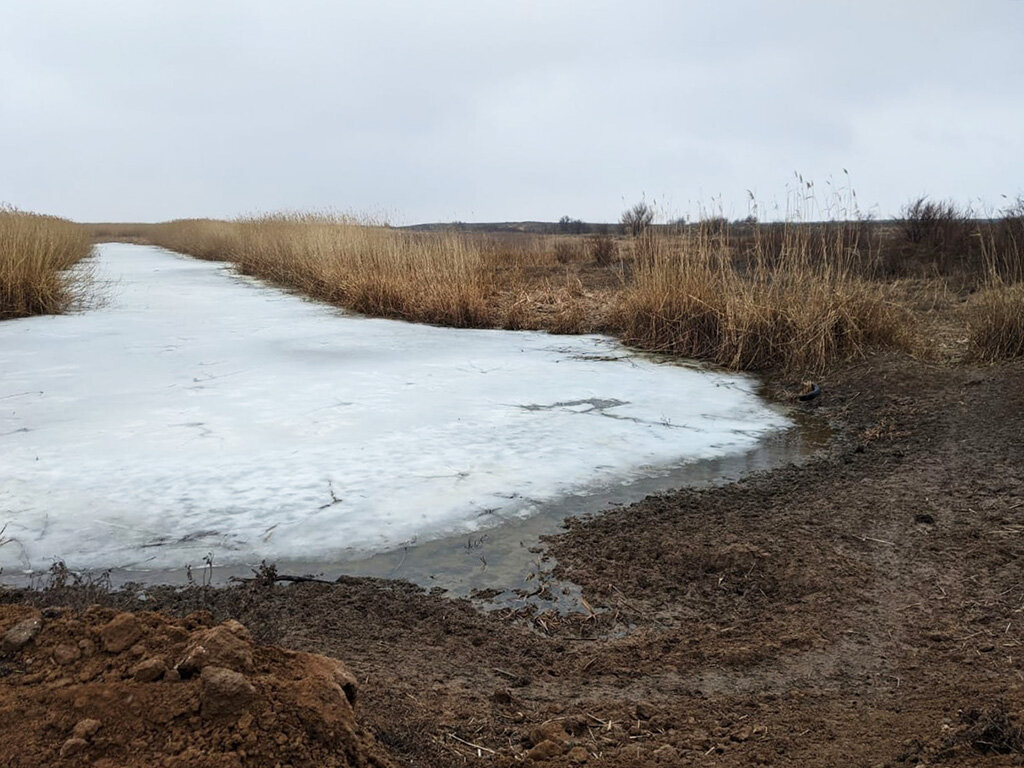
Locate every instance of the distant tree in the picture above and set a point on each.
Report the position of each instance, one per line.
(570, 226)
(637, 219)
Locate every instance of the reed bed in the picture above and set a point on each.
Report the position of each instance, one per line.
(36, 256)
(995, 313)
(793, 297)
(995, 322)
(446, 278)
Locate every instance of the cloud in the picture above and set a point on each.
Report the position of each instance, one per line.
(485, 110)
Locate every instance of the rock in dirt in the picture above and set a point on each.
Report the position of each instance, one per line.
(545, 750)
(65, 653)
(227, 645)
(225, 692)
(18, 636)
(550, 731)
(86, 729)
(578, 755)
(120, 633)
(72, 747)
(149, 670)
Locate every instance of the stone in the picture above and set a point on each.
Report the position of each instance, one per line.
(550, 731)
(644, 711)
(224, 692)
(545, 750)
(120, 633)
(149, 670)
(85, 729)
(65, 653)
(578, 755)
(221, 646)
(743, 734)
(20, 635)
(73, 747)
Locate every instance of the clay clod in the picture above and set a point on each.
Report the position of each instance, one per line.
(227, 645)
(120, 633)
(18, 636)
(224, 692)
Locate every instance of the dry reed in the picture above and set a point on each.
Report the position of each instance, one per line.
(790, 296)
(798, 298)
(36, 256)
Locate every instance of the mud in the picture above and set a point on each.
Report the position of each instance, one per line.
(863, 608)
(102, 688)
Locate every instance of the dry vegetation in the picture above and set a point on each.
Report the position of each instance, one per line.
(449, 278)
(789, 296)
(36, 253)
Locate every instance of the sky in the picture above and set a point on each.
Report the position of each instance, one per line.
(140, 110)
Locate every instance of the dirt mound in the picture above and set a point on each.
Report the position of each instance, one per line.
(120, 690)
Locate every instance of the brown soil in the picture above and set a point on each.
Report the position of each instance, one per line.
(860, 609)
(102, 688)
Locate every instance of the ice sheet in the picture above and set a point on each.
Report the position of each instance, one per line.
(197, 412)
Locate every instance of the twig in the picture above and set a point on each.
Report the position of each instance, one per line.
(292, 579)
(471, 744)
(872, 538)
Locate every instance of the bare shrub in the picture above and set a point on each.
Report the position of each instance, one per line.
(637, 219)
(936, 235)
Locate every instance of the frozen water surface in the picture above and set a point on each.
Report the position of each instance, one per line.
(197, 411)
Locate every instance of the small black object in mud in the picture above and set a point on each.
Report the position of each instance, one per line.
(813, 393)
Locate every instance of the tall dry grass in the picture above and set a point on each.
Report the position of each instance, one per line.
(793, 297)
(36, 256)
(995, 313)
(447, 278)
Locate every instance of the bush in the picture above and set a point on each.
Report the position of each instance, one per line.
(602, 250)
(637, 219)
(938, 235)
(565, 251)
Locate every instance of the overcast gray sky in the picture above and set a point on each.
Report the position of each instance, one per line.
(480, 111)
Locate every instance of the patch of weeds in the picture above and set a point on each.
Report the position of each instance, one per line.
(265, 575)
(991, 730)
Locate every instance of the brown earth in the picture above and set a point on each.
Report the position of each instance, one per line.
(861, 609)
(133, 690)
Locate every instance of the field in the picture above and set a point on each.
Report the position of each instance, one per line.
(861, 608)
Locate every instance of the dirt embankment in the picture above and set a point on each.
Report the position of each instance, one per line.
(136, 690)
(862, 609)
